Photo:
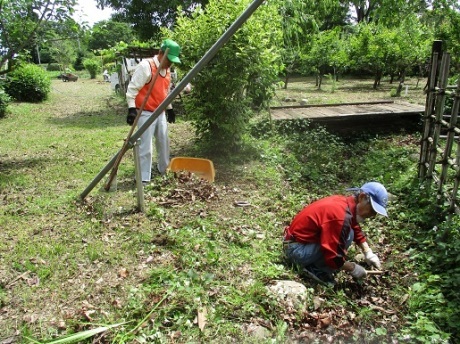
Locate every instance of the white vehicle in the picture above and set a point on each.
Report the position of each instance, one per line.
(120, 80)
(127, 64)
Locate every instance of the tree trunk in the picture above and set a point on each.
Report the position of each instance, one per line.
(378, 76)
(401, 84)
(286, 79)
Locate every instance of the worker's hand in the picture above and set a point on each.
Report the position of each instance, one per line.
(132, 113)
(358, 272)
(170, 116)
(372, 259)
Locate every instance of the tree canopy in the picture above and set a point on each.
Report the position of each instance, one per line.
(23, 22)
(147, 17)
(108, 33)
(241, 75)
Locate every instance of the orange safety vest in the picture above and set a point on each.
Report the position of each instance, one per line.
(159, 91)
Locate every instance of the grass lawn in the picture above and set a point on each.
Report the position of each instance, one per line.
(68, 265)
(347, 90)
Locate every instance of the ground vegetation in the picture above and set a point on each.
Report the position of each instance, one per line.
(195, 266)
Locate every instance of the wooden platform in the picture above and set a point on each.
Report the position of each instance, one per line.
(354, 116)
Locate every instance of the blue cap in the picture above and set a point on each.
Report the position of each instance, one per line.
(378, 195)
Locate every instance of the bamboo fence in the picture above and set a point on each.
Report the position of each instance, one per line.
(439, 162)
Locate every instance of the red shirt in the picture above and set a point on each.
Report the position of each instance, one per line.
(327, 222)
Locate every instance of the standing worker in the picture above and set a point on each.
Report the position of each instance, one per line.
(137, 91)
(319, 236)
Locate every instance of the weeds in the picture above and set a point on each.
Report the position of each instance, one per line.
(196, 251)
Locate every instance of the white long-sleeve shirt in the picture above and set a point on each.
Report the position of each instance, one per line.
(141, 76)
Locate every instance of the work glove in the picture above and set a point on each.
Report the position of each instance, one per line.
(372, 259)
(132, 113)
(170, 116)
(358, 272)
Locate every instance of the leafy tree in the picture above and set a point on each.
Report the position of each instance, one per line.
(65, 30)
(240, 75)
(92, 66)
(301, 20)
(444, 19)
(413, 41)
(22, 22)
(327, 53)
(63, 52)
(78, 63)
(108, 33)
(332, 13)
(297, 25)
(372, 49)
(380, 50)
(384, 11)
(148, 17)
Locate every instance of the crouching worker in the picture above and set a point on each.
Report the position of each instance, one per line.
(319, 236)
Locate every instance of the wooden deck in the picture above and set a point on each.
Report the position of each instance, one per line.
(354, 116)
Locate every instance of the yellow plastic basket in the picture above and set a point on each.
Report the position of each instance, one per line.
(203, 168)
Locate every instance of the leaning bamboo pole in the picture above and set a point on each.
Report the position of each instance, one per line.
(450, 138)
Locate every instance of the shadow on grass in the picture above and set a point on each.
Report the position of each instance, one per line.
(359, 88)
(12, 171)
(99, 119)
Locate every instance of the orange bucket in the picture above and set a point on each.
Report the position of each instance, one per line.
(203, 168)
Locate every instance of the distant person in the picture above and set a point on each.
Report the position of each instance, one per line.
(106, 75)
(136, 92)
(319, 236)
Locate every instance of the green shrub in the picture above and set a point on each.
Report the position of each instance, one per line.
(4, 101)
(78, 64)
(242, 74)
(28, 83)
(52, 67)
(92, 66)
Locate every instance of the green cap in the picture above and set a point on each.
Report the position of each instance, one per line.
(174, 50)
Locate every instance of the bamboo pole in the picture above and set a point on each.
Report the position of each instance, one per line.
(439, 110)
(429, 106)
(455, 109)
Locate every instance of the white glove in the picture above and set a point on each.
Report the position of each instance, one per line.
(358, 272)
(372, 259)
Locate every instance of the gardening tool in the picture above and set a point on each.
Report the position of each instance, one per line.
(375, 272)
(203, 168)
(123, 150)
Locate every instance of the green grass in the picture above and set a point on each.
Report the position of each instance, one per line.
(346, 90)
(67, 266)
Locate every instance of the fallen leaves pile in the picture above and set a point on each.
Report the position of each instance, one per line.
(188, 188)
